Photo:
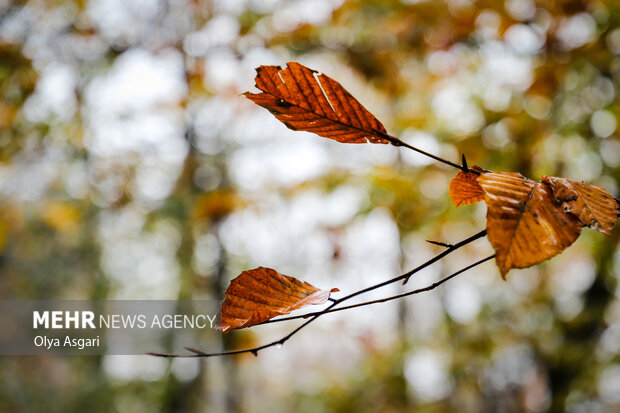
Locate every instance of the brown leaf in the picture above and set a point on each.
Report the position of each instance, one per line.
(593, 206)
(260, 294)
(525, 225)
(304, 100)
(465, 189)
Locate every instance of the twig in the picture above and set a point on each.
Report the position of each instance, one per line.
(449, 248)
(394, 297)
(335, 302)
(464, 163)
(397, 142)
(439, 243)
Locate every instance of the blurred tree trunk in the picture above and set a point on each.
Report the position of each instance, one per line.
(577, 358)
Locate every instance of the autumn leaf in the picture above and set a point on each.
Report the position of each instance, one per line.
(307, 101)
(260, 294)
(465, 189)
(530, 222)
(593, 206)
(525, 224)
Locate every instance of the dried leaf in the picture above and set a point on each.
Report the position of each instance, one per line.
(464, 188)
(304, 100)
(260, 294)
(593, 206)
(525, 225)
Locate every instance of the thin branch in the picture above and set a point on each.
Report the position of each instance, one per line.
(335, 302)
(397, 142)
(449, 249)
(394, 297)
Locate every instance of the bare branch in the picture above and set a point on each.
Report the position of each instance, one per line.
(394, 297)
(330, 308)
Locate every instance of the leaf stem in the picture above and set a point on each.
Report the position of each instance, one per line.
(397, 142)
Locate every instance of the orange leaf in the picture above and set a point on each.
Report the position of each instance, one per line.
(465, 189)
(260, 294)
(304, 100)
(525, 225)
(593, 206)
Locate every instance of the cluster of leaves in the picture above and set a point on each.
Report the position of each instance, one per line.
(528, 222)
(393, 49)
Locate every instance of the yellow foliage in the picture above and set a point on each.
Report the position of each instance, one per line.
(216, 205)
(61, 216)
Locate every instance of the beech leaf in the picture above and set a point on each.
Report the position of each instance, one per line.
(260, 294)
(525, 224)
(307, 101)
(593, 206)
(465, 189)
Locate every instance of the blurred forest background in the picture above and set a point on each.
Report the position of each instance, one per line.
(130, 168)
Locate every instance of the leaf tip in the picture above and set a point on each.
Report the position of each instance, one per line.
(224, 328)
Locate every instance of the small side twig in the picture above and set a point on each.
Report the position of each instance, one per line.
(449, 248)
(464, 166)
(439, 243)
